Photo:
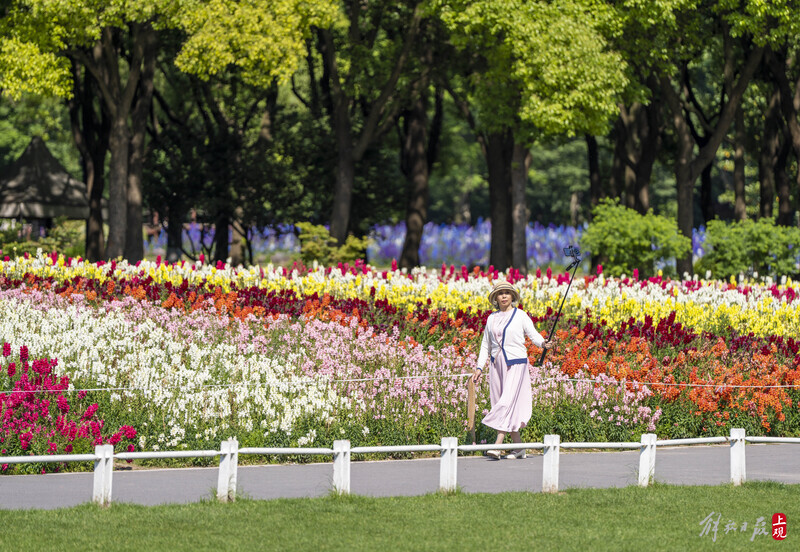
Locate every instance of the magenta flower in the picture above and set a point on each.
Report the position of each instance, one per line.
(62, 404)
(90, 411)
(129, 432)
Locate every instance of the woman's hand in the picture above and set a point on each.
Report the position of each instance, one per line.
(477, 375)
(548, 344)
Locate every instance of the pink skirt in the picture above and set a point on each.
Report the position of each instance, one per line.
(510, 394)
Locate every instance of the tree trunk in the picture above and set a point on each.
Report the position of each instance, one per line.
(118, 97)
(91, 138)
(684, 180)
(239, 238)
(638, 140)
(783, 186)
(221, 237)
(706, 195)
(134, 245)
(619, 165)
(415, 168)
(174, 234)
(499, 150)
(767, 161)
(345, 174)
(595, 189)
(119, 143)
(740, 205)
(351, 148)
(687, 166)
(649, 145)
(520, 161)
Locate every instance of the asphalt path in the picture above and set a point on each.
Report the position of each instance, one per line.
(692, 465)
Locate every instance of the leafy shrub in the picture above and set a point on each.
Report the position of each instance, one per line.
(316, 244)
(626, 240)
(750, 246)
(65, 237)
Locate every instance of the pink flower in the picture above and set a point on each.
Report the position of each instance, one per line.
(67, 448)
(12, 367)
(6, 349)
(23, 353)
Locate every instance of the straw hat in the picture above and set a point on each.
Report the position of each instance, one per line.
(502, 285)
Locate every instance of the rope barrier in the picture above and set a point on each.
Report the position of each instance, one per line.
(278, 383)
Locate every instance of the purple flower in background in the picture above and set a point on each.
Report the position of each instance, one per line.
(450, 244)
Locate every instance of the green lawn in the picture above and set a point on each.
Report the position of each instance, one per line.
(661, 517)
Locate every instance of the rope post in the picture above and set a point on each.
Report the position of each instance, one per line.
(449, 464)
(552, 447)
(103, 473)
(471, 409)
(738, 471)
(647, 459)
(228, 469)
(341, 467)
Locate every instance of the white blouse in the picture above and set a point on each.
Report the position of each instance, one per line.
(512, 340)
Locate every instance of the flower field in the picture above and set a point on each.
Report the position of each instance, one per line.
(158, 356)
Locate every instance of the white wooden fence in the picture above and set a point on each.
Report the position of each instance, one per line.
(449, 448)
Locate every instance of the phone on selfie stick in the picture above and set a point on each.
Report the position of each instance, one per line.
(574, 253)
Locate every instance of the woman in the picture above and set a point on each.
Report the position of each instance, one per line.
(509, 379)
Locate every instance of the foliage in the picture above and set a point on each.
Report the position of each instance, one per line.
(748, 246)
(316, 244)
(265, 39)
(626, 240)
(21, 120)
(545, 65)
(65, 237)
(26, 69)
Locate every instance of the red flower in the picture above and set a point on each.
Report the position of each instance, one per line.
(23, 353)
(6, 349)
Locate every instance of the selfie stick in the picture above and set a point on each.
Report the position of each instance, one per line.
(575, 253)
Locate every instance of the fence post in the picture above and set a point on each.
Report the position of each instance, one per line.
(738, 472)
(103, 473)
(647, 459)
(448, 467)
(228, 469)
(341, 466)
(552, 446)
